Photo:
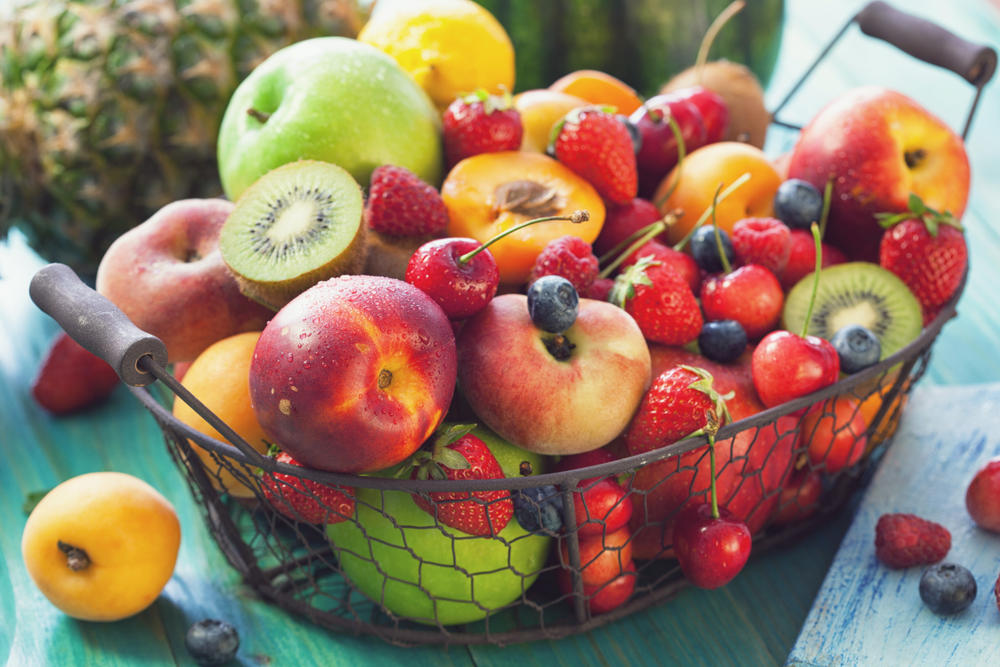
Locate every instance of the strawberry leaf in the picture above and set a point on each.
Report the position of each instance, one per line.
(704, 385)
(626, 282)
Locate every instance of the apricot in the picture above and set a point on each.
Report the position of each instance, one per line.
(599, 88)
(540, 109)
(491, 192)
(701, 174)
(220, 378)
(101, 546)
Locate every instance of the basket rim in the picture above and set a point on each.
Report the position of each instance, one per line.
(379, 481)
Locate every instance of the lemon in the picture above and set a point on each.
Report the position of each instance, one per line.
(449, 47)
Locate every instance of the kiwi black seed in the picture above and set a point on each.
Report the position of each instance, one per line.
(856, 293)
(296, 225)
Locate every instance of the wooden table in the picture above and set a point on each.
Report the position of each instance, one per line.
(754, 620)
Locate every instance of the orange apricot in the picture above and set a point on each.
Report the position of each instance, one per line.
(491, 192)
(540, 109)
(599, 88)
(700, 175)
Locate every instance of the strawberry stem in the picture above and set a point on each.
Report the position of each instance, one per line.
(710, 35)
(711, 209)
(575, 217)
(681, 154)
(818, 244)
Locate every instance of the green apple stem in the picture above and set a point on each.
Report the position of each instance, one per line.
(713, 30)
(726, 266)
(825, 214)
(575, 217)
(710, 211)
(76, 558)
(258, 115)
(681, 154)
(818, 243)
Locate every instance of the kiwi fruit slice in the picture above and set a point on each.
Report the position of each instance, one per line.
(856, 293)
(298, 224)
(389, 255)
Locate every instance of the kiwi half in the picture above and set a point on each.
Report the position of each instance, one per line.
(296, 225)
(856, 293)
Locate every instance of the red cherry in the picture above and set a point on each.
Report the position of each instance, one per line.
(601, 505)
(603, 558)
(751, 295)
(710, 550)
(786, 366)
(461, 288)
(659, 151)
(834, 432)
(713, 109)
(799, 497)
(624, 220)
(982, 497)
(802, 258)
(605, 597)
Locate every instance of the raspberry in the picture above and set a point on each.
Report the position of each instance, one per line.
(764, 241)
(570, 257)
(599, 289)
(905, 540)
(400, 204)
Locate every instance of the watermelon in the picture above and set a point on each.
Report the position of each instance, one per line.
(642, 42)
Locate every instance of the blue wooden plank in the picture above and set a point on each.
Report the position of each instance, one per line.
(867, 613)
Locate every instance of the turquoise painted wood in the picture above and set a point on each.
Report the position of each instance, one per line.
(753, 621)
(866, 613)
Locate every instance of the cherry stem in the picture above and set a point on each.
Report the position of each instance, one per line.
(681, 154)
(711, 209)
(827, 201)
(713, 30)
(711, 428)
(575, 217)
(726, 266)
(646, 234)
(818, 243)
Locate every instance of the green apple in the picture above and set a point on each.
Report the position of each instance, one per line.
(332, 99)
(431, 573)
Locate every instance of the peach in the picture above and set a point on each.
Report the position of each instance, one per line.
(701, 174)
(101, 546)
(551, 396)
(491, 192)
(353, 374)
(168, 277)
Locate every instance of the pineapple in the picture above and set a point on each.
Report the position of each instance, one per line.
(109, 109)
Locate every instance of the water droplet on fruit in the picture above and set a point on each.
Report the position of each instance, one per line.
(306, 364)
(289, 357)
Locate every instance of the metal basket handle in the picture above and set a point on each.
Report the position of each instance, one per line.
(917, 37)
(98, 325)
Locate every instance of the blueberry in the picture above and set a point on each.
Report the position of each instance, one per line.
(553, 303)
(857, 347)
(947, 588)
(798, 203)
(722, 341)
(212, 642)
(705, 249)
(538, 507)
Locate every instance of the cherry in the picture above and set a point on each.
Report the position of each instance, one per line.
(982, 497)
(460, 274)
(603, 557)
(785, 365)
(711, 545)
(802, 257)
(623, 220)
(607, 596)
(602, 505)
(799, 497)
(711, 106)
(751, 295)
(834, 432)
(670, 126)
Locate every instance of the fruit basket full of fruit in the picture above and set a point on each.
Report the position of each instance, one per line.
(572, 396)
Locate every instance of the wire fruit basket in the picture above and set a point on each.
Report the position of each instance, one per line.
(408, 579)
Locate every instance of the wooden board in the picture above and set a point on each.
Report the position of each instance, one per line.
(867, 613)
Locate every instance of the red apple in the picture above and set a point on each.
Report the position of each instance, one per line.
(548, 398)
(982, 497)
(168, 276)
(354, 374)
(879, 146)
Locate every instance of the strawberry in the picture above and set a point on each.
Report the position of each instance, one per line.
(905, 540)
(480, 123)
(660, 302)
(459, 455)
(71, 378)
(764, 241)
(595, 144)
(675, 406)
(400, 204)
(679, 262)
(927, 250)
(304, 499)
(570, 257)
